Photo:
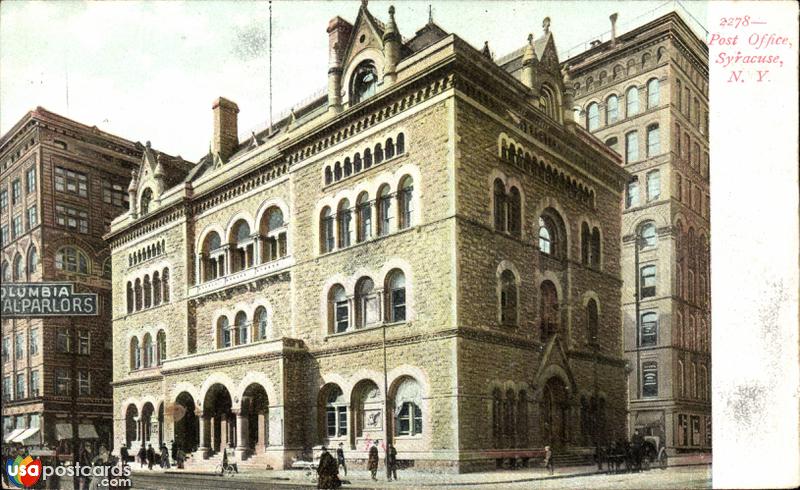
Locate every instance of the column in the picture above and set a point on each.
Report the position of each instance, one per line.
(379, 293)
(223, 432)
(257, 252)
(138, 426)
(242, 433)
(200, 269)
(204, 435)
(261, 441)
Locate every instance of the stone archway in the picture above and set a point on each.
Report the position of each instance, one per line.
(148, 429)
(218, 426)
(555, 413)
(185, 423)
(131, 425)
(253, 420)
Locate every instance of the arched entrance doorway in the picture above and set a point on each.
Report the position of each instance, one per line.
(254, 414)
(555, 412)
(218, 418)
(131, 425)
(185, 423)
(148, 427)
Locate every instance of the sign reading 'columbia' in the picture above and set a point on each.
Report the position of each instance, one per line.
(45, 299)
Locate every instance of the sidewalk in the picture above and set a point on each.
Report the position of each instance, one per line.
(361, 478)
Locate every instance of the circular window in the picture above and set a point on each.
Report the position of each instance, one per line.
(362, 38)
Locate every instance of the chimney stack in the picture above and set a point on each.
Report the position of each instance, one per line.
(338, 35)
(226, 128)
(613, 18)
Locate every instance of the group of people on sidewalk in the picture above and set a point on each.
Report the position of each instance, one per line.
(150, 458)
(328, 469)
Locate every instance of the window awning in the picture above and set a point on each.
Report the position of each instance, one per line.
(28, 437)
(85, 431)
(14, 433)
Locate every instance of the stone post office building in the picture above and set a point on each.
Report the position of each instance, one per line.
(429, 253)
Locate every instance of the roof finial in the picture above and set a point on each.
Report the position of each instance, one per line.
(546, 25)
(391, 11)
(430, 14)
(486, 52)
(364, 4)
(530, 38)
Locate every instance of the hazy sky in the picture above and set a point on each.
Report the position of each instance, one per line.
(150, 70)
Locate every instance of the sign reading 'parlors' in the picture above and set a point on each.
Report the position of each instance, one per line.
(45, 299)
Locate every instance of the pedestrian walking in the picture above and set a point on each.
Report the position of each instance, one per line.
(164, 456)
(340, 458)
(229, 459)
(151, 457)
(391, 463)
(327, 471)
(637, 442)
(372, 461)
(180, 457)
(142, 456)
(548, 459)
(173, 449)
(123, 453)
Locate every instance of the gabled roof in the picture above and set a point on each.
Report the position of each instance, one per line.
(512, 62)
(172, 169)
(428, 35)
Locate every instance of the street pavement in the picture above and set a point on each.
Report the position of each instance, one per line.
(690, 473)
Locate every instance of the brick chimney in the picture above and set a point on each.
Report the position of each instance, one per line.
(226, 127)
(613, 19)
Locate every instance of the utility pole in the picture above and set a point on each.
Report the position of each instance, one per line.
(636, 297)
(385, 405)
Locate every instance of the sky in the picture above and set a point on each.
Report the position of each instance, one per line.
(151, 70)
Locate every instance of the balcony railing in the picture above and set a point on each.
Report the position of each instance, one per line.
(241, 276)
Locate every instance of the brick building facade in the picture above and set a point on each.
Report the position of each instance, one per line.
(430, 253)
(645, 94)
(62, 183)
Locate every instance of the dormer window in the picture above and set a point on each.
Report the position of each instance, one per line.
(365, 82)
(144, 206)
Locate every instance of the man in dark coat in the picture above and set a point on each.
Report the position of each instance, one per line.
(391, 463)
(340, 461)
(151, 457)
(327, 471)
(142, 456)
(637, 442)
(164, 456)
(123, 454)
(372, 462)
(173, 450)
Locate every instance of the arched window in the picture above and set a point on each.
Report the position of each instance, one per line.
(548, 310)
(224, 333)
(365, 82)
(653, 185)
(648, 235)
(213, 257)
(363, 217)
(653, 140)
(389, 151)
(241, 246)
(147, 347)
(514, 212)
(384, 210)
(499, 205)
(335, 411)
(343, 218)
(339, 309)
(33, 261)
(242, 328)
(652, 93)
(586, 238)
(165, 285)
(546, 232)
(632, 101)
(378, 153)
(129, 297)
(273, 234)
(261, 324)
(161, 347)
(367, 158)
(408, 408)
(72, 259)
(135, 355)
(405, 199)
(681, 379)
(694, 380)
(497, 417)
(6, 272)
(678, 94)
(156, 289)
(148, 292)
(594, 259)
(326, 230)
(593, 116)
(144, 202)
(19, 269)
(337, 171)
(548, 102)
(396, 288)
(348, 167)
(510, 417)
(591, 321)
(552, 234)
(328, 175)
(631, 147)
(367, 312)
(612, 109)
(508, 298)
(401, 143)
(137, 293)
(648, 335)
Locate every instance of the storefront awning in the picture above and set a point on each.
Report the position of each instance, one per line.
(14, 433)
(85, 431)
(29, 437)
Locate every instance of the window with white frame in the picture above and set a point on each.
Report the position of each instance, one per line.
(396, 287)
(71, 181)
